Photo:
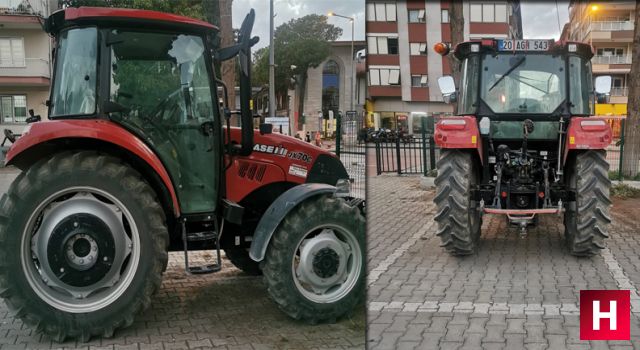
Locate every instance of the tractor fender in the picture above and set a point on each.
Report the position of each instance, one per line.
(278, 210)
(587, 133)
(41, 133)
(458, 133)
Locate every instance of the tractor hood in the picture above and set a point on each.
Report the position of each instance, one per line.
(302, 162)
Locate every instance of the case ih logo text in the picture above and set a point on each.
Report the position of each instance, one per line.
(281, 151)
(604, 315)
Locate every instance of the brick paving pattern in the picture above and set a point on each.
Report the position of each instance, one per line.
(227, 310)
(513, 294)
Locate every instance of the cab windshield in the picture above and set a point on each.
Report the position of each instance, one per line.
(523, 84)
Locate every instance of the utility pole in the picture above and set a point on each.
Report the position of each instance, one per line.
(353, 58)
(272, 67)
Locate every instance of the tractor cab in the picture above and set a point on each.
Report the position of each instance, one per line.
(524, 125)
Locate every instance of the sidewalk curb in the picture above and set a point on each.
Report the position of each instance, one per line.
(634, 184)
(427, 183)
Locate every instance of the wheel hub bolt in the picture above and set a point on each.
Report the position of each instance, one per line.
(75, 224)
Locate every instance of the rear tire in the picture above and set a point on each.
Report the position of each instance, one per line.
(239, 257)
(587, 219)
(311, 227)
(459, 221)
(86, 185)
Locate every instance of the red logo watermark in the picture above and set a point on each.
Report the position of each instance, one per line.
(605, 315)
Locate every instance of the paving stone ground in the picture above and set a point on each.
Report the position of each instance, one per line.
(227, 310)
(513, 294)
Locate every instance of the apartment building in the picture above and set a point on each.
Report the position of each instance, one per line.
(25, 69)
(402, 67)
(608, 26)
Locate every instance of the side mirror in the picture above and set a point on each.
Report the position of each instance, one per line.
(447, 88)
(603, 88)
(603, 85)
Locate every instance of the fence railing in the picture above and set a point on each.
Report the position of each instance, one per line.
(23, 7)
(619, 91)
(613, 59)
(418, 154)
(351, 148)
(612, 25)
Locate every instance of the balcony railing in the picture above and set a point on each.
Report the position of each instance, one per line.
(23, 7)
(34, 67)
(613, 59)
(619, 91)
(610, 26)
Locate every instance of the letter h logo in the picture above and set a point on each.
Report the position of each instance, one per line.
(605, 315)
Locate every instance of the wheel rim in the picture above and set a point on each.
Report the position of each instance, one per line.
(80, 249)
(327, 264)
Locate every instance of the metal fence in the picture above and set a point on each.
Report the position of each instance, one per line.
(407, 154)
(351, 148)
(417, 154)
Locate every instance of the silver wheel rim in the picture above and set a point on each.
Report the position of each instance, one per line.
(315, 272)
(72, 235)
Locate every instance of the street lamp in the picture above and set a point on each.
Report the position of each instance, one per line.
(352, 20)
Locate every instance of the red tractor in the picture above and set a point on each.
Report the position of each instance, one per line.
(138, 159)
(524, 143)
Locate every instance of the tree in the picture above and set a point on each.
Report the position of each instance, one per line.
(631, 153)
(304, 43)
(456, 21)
(220, 16)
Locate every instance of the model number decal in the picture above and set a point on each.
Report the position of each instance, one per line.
(282, 152)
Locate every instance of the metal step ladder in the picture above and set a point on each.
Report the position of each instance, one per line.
(200, 237)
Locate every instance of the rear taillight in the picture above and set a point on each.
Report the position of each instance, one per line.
(593, 125)
(453, 124)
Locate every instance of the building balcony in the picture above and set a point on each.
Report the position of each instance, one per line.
(35, 72)
(611, 26)
(23, 7)
(619, 91)
(613, 59)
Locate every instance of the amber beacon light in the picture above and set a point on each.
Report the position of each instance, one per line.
(441, 48)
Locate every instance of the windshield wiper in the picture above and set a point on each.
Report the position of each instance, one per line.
(508, 72)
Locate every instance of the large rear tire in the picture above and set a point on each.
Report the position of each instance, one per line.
(314, 267)
(458, 218)
(83, 244)
(587, 219)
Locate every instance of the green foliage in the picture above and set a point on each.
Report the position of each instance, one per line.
(622, 190)
(302, 42)
(189, 8)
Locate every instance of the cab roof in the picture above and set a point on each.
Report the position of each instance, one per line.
(122, 17)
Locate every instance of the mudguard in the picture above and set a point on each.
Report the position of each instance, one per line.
(278, 210)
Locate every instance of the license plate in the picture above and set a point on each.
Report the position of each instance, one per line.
(523, 45)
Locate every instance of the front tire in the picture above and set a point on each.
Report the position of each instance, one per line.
(459, 221)
(83, 244)
(587, 219)
(314, 266)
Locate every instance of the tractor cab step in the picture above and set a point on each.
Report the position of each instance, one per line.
(200, 237)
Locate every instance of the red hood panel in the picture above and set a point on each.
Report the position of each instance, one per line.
(284, 151)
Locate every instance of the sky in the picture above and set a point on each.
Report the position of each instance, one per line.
(540, 21)
(539, 18)
(286, 10)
